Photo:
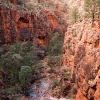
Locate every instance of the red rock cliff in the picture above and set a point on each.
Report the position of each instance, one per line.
(26, 25)
(82, 56)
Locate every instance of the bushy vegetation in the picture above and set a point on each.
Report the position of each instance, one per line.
(55, 49)
(92, 9)
(74, 15)
(54, 61)
(25, 75)
(56, 44)
(20, 2)
(18, 65)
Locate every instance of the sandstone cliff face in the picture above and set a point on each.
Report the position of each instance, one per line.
(26, 25)
(82, 56)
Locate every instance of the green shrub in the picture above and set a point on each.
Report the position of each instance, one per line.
(74, 15)
(55, 83)
(66, 74)
(25, 75)
(21, 2)
(11, 62)
(34, 54)
(60, 21)
(54, 61)
(6, 92)
(92, 9)
(51, 3)
(56, 44)
(37, 67)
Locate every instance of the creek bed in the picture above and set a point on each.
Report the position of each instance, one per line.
(41, 90)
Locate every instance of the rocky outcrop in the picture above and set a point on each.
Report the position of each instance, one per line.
(82, 56)
(26, 25)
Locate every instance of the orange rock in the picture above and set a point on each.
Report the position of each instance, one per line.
(82, 55)
(26, 25)
(24, 98)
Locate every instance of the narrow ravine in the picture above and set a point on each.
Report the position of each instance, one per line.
(42, 88)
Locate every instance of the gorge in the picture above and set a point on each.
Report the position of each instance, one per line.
(49, 50)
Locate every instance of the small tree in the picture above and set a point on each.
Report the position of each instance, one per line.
(74, 15)
(25, 75)
(92, 8)
(56, 44)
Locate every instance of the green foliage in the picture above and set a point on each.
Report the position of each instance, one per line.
(37, 67)
(74, 15)
(55, 50)
(55, 45)
(20, 54)
(50, 3)
(34, 54)
(15, 63)
(26, 47)
(21, 2)
(55, 83)
(60, 21)
(92, 8)
(54, 61)
(17, 56)
(66, 74)
(25, 75)
(8, 91)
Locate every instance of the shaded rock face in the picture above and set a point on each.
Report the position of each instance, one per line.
(18, 1)
(82, 56)
(24, 25)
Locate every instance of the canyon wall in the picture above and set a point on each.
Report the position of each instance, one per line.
(26, 25)
(82, 56)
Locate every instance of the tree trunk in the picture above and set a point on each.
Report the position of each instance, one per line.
(93, 18)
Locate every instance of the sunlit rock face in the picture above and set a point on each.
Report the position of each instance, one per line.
(78, 3)
(82, 56)
(26, 25)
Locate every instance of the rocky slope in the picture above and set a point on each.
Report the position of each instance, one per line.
(26, 25)
(82, 56)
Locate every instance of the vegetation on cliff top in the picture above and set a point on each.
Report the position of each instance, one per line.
(92, 9)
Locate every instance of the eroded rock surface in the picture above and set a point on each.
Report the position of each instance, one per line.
(26, 25)
(82, 56)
